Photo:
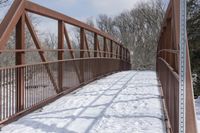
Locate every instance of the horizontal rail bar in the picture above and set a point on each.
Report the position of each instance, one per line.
(47, 50)
(169, 51)
(75, 59)
(170, 68)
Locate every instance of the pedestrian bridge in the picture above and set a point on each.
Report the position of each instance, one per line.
(94, 90)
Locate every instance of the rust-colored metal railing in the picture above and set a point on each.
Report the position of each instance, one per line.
(168, 70)
(26, 87)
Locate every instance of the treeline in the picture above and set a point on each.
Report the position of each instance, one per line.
(4, 3)
(193, 27)
(138, 29)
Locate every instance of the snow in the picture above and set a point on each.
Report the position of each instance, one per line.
(198, 112)
(124, 102)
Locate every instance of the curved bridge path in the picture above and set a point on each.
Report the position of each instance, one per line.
(124, 102)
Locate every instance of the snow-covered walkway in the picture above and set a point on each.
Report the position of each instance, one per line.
(125, 102)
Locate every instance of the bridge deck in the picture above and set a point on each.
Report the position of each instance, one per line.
(123, 102)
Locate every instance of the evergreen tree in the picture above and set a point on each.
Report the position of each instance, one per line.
(193, 27)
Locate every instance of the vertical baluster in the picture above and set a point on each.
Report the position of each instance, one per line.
(32, 83)
(1, 98)
(13, 90)
(4, 94)
(43, 77)
(25, 90)
(11, 104)
(35, 85)
(9, 92)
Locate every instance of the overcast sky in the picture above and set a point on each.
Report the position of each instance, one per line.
(83, 9)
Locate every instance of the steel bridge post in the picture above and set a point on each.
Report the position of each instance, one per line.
(20, 60)
(104, 46)
(95, 44)
(60, 54)
(111, 48)
(82, 48)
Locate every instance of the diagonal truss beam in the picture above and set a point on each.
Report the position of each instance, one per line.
(10, 21)
(41, 53)
(71, 52)
(117, 52)
(69, 43)
(98, 47)
(86, 44)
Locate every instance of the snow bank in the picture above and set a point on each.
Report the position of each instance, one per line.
(198, 112)
(125, 102)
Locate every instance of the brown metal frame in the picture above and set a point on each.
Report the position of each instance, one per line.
(168, 70)
(103, 62)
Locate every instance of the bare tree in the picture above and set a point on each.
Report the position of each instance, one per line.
(4, 3)
(138, 29)
(107, 24)
(149, 18)
(90, 22)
